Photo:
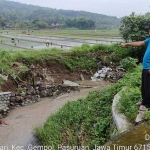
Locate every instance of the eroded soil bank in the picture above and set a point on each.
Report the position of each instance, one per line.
(22, 120)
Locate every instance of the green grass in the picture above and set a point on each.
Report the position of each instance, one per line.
(83, 122)
(131, 95)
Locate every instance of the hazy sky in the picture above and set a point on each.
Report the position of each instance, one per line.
(118, 8)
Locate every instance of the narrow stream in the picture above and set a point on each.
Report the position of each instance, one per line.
(22, 120)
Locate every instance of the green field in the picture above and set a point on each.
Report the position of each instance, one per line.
(84, 34)
(66, 38)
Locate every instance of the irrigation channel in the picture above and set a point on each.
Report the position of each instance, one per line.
(39, 42)
(22, 120)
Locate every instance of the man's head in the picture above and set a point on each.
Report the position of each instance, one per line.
(147, 28)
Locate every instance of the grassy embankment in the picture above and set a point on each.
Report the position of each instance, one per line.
(79, 57)
(86, 122)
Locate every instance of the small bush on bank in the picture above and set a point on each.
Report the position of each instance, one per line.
(129, 63)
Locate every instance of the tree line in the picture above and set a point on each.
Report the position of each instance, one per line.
(21, 15)
(80, 23)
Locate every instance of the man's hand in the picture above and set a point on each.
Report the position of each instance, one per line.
(123, 45)
(133, 44)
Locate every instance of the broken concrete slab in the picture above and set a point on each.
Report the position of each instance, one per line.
(5, 77)
(70, 83)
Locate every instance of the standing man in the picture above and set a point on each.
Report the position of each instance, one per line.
(47, 42)
(145, 87)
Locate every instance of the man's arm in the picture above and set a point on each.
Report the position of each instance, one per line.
(136, 44)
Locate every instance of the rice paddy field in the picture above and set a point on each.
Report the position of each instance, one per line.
(59, 39)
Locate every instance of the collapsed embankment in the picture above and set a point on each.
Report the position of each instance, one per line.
(29, 75)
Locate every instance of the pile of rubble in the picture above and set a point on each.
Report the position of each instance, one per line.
(108, 73)
(33, 83)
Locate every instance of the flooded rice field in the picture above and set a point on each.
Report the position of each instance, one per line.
(39, 42)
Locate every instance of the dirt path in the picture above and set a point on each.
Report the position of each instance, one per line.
(22, 120)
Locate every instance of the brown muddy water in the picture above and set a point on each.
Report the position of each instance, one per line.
(22, 120)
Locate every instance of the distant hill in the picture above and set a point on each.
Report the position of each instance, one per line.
(15, 12)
